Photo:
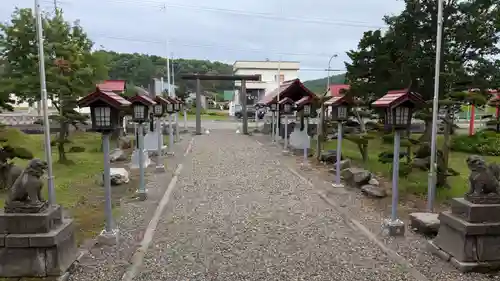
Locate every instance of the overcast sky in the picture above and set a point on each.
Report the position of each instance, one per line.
(309, 31)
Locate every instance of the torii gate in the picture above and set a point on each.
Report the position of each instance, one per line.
(243, 93)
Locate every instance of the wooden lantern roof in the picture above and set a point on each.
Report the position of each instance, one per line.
(397, 97)
(171, 100)
(110, 98)
(142, 99)
(285, 100)
(338, 100)
(303, 101)
(161, 100)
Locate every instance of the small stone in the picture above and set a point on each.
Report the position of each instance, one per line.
(373, 191)
(373, 181)
(116, 155)
(425, 223)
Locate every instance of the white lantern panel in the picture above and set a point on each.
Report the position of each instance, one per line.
(287, 108)
(273, 106)
(170, 108)
(102, 116)
(401, 115)
(176, 106)
(158, 109)
(342, 112)
(307, 109)
(139, 111)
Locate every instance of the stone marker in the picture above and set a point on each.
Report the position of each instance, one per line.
(424, 223)
(469, 235)
(35, 239)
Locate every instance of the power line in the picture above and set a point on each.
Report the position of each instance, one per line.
(269, 16)
(177, 43)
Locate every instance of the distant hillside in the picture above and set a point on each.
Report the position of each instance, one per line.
(319, 85)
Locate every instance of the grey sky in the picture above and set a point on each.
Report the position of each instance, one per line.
(225, 30)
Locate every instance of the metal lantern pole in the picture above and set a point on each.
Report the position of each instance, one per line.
(170, 135)
(305, 162)
(273, 124)
(142, 189)
(395, 177)
(256, 120)
(107, 183)
(43, 90)
(160, 166)
(185, 118)
(339, 153)
(432, 170)
(285, 144)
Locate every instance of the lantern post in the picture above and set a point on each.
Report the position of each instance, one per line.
(398, 107)
(141, 106)
(273, 106)
(159, 111)
(105, 110)
(177, 109)
(304, 105)
(286, 107)
(340, 108)
(170, 110)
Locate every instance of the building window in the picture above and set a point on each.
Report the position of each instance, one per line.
(282, 77)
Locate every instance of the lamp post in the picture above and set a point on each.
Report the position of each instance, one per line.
(273, 106)
(185, 117)
(159, 112)
(398, 106)
(340, 113)
(286, 108)
(305, 105)
(170, 110)
(177, 109)
(105, 117)
(140, 108)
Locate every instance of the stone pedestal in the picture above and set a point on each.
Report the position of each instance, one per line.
(36, 244)
(469, 236)
(134, 164)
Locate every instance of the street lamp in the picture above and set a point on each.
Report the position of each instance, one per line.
(340, 107)
(398, 107)
(304, 105)
(286, 107)
(141, 105)
(177, 108)
(105, 108)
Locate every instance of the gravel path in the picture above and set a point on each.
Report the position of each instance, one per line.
(238, 214)
(108, 263)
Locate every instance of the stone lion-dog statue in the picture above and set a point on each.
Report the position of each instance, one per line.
(27, 188)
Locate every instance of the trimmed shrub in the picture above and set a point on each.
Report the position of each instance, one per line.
(483, 143)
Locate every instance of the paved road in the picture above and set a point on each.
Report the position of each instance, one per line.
(238, 214)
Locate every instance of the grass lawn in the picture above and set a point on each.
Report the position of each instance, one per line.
(76, 187)
(416, 181)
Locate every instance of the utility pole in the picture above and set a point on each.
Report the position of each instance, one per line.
(43, 91)
(431, 190)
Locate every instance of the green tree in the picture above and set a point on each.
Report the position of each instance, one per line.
(404, 55)
(71, 69)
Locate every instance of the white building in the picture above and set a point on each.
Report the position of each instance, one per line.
(268, 70)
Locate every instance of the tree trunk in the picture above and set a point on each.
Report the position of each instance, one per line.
(63, 134)
(426, 136)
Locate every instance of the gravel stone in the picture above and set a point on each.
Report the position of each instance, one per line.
(238, 213)
(108, 263)
(412, 247)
